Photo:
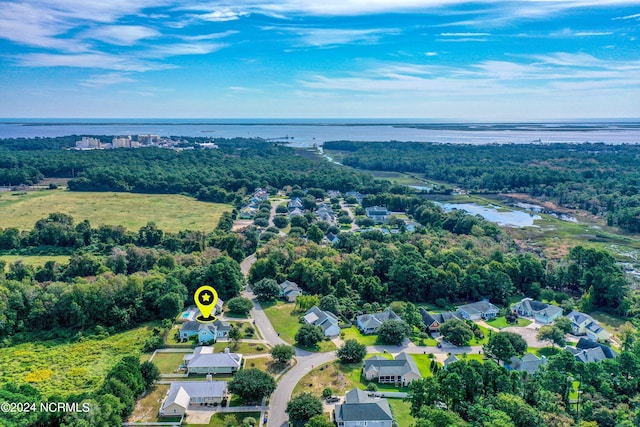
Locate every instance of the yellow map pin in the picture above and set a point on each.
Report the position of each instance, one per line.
(206, 299)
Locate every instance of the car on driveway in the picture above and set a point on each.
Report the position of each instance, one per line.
(333, 399)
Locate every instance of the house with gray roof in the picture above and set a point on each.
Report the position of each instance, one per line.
(289, 290)
(529, 363)
(585, 344)
(539, 311)
(369, 323)
(379, 214)
(204, 361)
(399, 371)
(449, 360)
(325, 319)
(433, 321)
(206, 332)
(478, 310)
(183, 394)
(359, 409)
(593, 355)
(583, 324)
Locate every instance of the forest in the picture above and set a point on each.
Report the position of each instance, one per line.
(599, 178)
(150, 274)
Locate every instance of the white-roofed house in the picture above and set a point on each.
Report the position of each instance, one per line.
(204, 361)
(540, 311)
(183, 394)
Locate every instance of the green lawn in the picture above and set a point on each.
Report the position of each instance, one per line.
(484, 340)
(544, 351)
(171, 338)
(401, 412)
(285, 321)
(33, 260)
(168, 362)
(243, 348)
(501, 322)
(217, 420)
(424, 363)
(62, 367)
(355, 334)
(170, 212)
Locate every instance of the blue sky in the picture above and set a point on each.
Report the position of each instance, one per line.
(485, 60)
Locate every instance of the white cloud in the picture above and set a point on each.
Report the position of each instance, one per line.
(179, 49)
(222, 15)
(122, 35)
(431, 53)
(89, 60)
(210, 36)
(634, 16)
(464, 34)
(323, 37)
(99, 80)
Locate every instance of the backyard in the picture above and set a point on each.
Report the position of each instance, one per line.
(285, 321)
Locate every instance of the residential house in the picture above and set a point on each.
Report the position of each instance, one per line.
(181, 394)
(359, 410)
(539, 311)
(529, 363)
(583, 324)
(206, 332)
(399, 371)
(261, 194)
(325, 213)
(379, 214)
(359, 196)
(289, 290)
(478, 310)
(369, 323)
(204, 361)
(332, 238)
(248, 212)
(433, 321)
(295, 212)
(325, 319)
(295, 203)
(587, 344)
(449, 360)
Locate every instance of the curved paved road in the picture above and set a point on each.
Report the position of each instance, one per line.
(307, 360)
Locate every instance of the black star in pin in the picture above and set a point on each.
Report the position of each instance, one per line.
(205, 298)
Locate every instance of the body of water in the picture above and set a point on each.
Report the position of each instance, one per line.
(305, 133)
(506, 218)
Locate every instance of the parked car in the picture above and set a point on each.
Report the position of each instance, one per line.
(333, 399)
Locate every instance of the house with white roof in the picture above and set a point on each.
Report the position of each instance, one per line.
(359, 410)
(183, 394)
(325, 319)
(204, 361)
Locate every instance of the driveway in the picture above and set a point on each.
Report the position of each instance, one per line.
(529, 335)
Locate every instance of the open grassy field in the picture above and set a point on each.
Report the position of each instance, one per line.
(55, 367)
(33, 260)
(334, 375)
(169, 211)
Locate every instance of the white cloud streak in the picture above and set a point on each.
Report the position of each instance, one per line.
(328, 37)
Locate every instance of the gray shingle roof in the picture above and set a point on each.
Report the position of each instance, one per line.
(430, 318)
(359, 406)
(204, 357)
(401, 365)
(585, 343)
(478, 307)
(181, 392)
(375, 320)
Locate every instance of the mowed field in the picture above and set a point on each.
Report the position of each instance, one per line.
(170, 212)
